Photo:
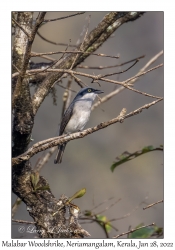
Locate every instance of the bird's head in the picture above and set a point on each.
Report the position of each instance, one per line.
(88, 93)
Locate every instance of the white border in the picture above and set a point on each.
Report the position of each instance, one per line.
(5, 94)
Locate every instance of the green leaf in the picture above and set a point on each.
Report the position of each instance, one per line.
(34, 179)
(147, 149)
(78, 194)
(103, 221)
(88, 213)
(143, 233)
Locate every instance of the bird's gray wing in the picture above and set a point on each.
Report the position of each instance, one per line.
(66, 117)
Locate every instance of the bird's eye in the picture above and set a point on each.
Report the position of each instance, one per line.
(89, 90)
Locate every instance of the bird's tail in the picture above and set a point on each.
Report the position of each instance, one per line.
(59, 155)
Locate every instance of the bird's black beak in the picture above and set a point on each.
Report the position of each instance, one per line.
(97, 91)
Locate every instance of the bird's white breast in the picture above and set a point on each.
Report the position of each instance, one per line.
(81, 113)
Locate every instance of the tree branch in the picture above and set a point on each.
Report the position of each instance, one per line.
(125, 84)
(118, 90)
(43, 145)
(21, 99)
(153, 204)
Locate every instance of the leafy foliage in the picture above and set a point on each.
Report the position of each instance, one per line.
(126, 156)
(145, 233)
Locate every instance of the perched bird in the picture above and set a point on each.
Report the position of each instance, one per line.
(76, 116)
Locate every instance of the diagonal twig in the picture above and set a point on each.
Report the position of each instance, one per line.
(24, 221)
(27, 34)
(70, 52)
(81, 46)
(49, 41)
(153, 204)
(64, 17)
(120, 72)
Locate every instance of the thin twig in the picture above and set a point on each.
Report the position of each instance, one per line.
(45, 159)
(77, 80)
(45, 57)
(102, 203)
(129, 213)
(143, 73)
(81, 44)
(120, 72)
(110, 206)
(153, 204)
(49, 41)
(96, 220)
(133, 230)
(82, 33)
(16, 68)
(15, 206)
(25, 32)
(24, 221)
(65, 88)
(64, 17)
(71, 52)
(108, 67)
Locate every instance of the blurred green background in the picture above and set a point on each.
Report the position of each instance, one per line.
(86, 162)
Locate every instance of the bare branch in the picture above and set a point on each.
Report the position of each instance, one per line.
(115, 73)
(108, 67)
(70, 52)
(49, 41)
(81, 46)
(78, 81)
(44, 56)
(60, 18)
(65, 88)
(45, 159)
(24, 221)
(15, 206)
(153, 204)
